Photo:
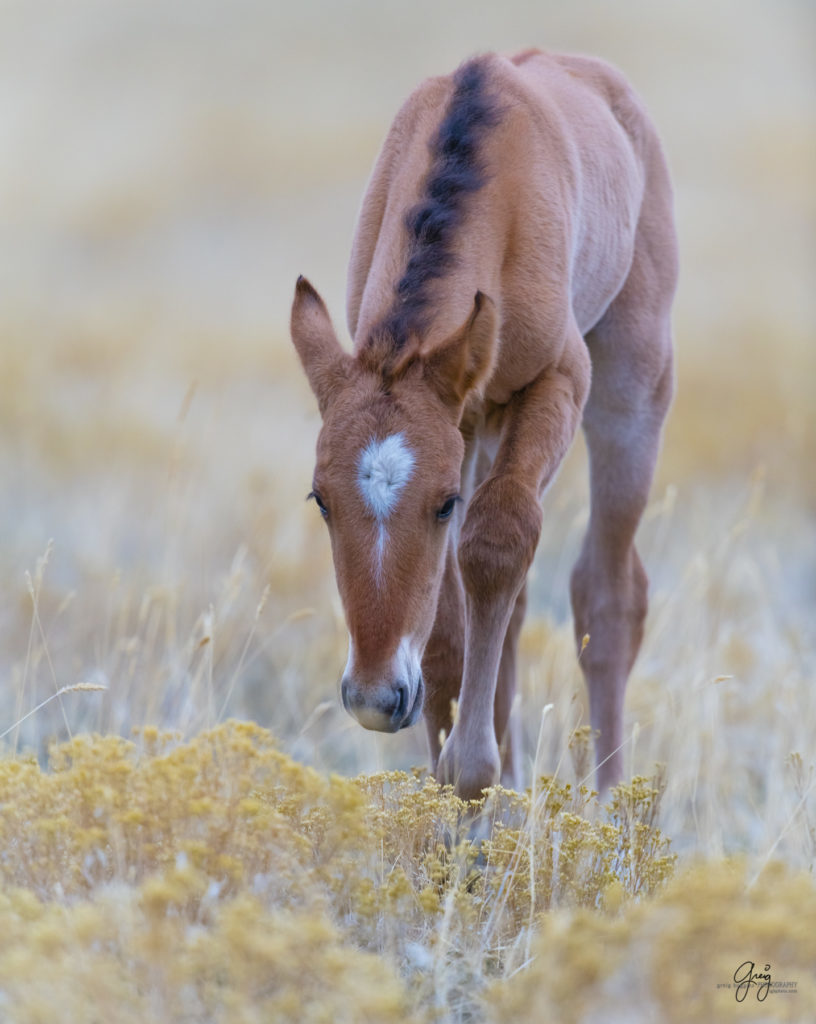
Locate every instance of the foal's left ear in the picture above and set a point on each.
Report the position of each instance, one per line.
(465, 359)
(325, 362)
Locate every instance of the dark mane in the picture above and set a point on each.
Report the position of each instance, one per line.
(456, 172)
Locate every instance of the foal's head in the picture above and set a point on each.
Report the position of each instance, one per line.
(387, 482)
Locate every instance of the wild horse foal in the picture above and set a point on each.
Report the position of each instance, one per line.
(511, 276)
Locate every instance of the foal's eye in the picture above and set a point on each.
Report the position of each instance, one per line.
(447, 509)
(319, 502)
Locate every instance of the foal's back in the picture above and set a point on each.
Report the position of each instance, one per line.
(551, 232)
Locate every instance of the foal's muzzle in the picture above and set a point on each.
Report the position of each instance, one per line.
(387, 707)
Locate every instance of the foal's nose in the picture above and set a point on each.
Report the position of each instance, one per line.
(383, 708)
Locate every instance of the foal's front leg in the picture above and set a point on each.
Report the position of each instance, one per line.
(506, 724)
(496, 548)
(444, 656)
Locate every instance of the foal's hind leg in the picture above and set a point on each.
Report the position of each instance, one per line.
(630, 394)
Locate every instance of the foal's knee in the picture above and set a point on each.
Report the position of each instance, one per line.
(499, 538)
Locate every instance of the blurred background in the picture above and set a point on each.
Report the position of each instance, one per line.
(167, 169)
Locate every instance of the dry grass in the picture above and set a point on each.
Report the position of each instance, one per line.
(165, 173)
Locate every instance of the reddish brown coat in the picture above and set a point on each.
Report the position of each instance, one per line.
(553, 207)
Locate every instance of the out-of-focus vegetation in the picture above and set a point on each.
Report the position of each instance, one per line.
(166, 171)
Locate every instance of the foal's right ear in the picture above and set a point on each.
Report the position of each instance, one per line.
(323, 359)
(463, 362)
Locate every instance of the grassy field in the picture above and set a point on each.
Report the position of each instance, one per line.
(166, 171)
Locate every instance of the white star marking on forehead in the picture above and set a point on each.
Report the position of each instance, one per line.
(385, 467)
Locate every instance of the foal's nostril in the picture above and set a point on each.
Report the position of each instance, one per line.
(401, 709)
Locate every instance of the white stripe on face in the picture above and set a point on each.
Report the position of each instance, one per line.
(385, 467)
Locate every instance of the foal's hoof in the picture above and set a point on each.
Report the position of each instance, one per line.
(469, 768)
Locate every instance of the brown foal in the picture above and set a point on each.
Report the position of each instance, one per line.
(511, 276)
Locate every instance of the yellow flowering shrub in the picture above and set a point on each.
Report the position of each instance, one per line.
(674, 958)
(127, 956)
(217, 879)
